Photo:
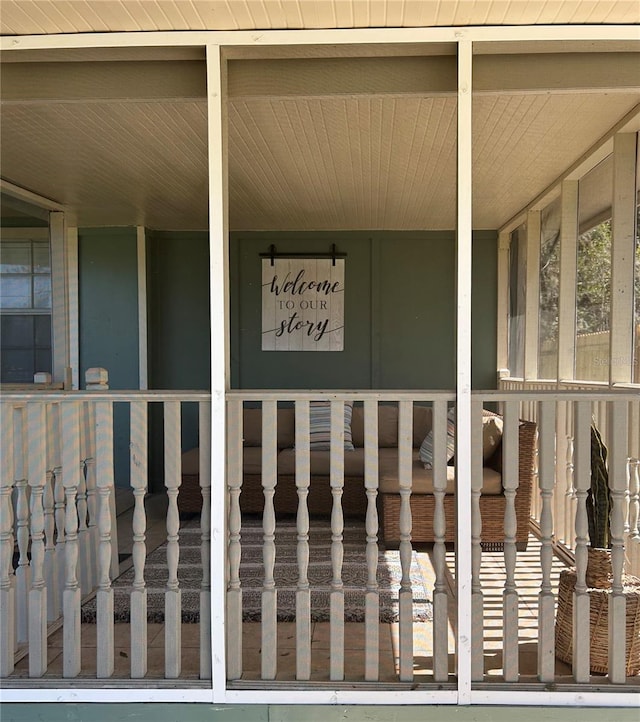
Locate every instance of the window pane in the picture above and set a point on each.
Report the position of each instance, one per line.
(549, 291)
(42, 291)
(17, 332)
(17, 366)
(15, 257)
(43, 331)
(42, 361)
(593, 303)
(15, 292)
(41, 260)
(517, 258)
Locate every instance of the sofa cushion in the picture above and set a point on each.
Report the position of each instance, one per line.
(320, 426)
(321, 462)
(422, 416)
(387, 426)
(426, 448)
(422, 479)
(252, 427)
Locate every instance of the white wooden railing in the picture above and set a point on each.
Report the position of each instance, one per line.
(601, 410)
(57, 515)
(56, 497)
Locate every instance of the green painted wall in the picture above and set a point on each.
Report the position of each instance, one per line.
(178, 329)
(399, 312)
(286, 713)
(108, 300)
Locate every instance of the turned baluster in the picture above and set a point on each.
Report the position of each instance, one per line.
(477, 597)
(372, 597)
(510, 479)
(234, 588)
(303, 594)
(139, 467)
(405, 595)
(173, 593)
(7, 589)
(336, 595)
(204, 420)
(546, 599)
(269, 591)
(71, 661)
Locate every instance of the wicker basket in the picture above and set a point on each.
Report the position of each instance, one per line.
(598, 623)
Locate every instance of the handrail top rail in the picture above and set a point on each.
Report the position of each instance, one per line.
(104, 395)
(611, 394)
(338, 395)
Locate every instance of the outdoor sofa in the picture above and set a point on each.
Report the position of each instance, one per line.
(354, 500)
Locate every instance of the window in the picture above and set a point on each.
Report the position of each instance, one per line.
(517, 273)
(25, 306)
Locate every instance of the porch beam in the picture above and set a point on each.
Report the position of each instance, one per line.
(417, 75)
(220, 359)
(463, 366)
(342, 36)
(532, 297)
(568, 269)
(623, 244)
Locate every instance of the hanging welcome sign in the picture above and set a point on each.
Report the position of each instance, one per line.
(303, 304)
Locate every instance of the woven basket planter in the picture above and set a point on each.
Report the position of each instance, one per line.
(598, 619)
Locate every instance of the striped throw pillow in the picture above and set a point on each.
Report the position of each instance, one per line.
(320, 426)
(426, 448)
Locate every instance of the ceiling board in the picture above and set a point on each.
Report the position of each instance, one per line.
(96, 16)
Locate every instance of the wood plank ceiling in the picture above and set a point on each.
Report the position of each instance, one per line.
(344, 145)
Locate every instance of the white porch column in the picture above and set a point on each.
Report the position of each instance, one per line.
(532, 296)
(220, 361)
(143, 366)
(623, 235)
(567, 292)
(502, 325)
(74, 305)
(463, 369)
(59, 335)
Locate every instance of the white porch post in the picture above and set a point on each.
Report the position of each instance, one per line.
(74, 305)
(60, 351)
(220, 363)
(463, 370)
(502, 325)
(143, 367)
(532, 296)
(623, 236)
(567, 292)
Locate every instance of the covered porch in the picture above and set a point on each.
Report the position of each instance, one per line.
(441, 538)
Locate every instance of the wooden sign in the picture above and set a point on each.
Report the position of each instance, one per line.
(303, 304)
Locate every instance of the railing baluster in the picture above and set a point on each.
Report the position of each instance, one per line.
(303, 593)
(50, 561)
(336, 597)
(105, 488)
(173, 593)
(82, 504)
(58, 503)
(204, 419)
(7, 589)
(71, 594)
(234, 588)
(546, 598)
(618, 427)
(581, 601)
(269, 591)
(37, 461)
(139, 475)
(23, 572)
(89, 421)
(372, 596)
(405, 595)
(510, 594)
(477, 597)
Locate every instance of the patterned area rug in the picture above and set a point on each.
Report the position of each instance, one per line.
(354, 576)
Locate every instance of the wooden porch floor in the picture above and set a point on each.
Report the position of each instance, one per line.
(528, 577)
